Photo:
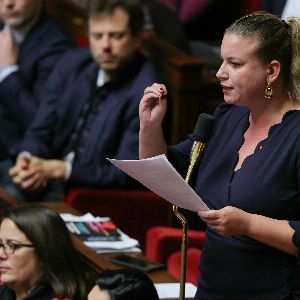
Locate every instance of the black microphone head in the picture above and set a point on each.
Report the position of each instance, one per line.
(203, 127)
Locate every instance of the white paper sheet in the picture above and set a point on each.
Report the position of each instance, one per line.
(157, 174)
(88, 217)
(125, 243)
(172, 290)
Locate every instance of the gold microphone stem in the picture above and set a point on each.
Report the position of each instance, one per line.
(197, 149)
(184, 243)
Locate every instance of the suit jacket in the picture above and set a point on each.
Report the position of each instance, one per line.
(21, 91)
(114, 131)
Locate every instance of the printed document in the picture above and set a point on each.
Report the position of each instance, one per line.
(158, 175)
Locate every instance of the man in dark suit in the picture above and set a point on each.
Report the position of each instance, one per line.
(30, 44)
(91, 112)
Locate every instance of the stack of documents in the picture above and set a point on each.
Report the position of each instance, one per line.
(123, 244)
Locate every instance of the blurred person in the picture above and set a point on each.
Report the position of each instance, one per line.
(91, 112)
(203, 22)
(160, 19)
(196, 17)
(123, 284)
(37, 258)
(249, 172)
(31, 42)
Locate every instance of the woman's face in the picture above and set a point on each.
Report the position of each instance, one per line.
(97, 294)
(242, 74)
(22, 268)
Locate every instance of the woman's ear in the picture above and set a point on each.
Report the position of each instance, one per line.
(273, 71)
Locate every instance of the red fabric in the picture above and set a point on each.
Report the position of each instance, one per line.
(161, 241)
(133, 211)
(192, 262)
(252, 6)
(82, 41)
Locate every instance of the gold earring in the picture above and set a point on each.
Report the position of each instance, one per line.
(268, 92)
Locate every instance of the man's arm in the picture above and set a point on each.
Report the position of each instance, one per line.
(22, 90)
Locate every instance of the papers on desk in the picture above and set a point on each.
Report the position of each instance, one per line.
(171, 291)
(125, 244)
(158, 175)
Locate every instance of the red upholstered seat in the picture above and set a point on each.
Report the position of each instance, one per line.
(162, 241)
(193, 256)
(133, 211)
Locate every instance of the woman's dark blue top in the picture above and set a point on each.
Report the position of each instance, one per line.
(267, 184)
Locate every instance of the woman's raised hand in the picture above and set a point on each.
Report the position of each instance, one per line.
(153, 105)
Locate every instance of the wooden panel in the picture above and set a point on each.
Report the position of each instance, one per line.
(70, 15)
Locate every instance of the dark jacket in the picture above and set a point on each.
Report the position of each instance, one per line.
(22, 91)
(114, 130)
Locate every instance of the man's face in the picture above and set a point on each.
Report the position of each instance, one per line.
(111, 40)
(18, 13)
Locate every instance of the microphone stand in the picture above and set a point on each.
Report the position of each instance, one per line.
(201, 133)
(196, 152)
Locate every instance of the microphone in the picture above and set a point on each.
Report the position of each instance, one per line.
(201, 135)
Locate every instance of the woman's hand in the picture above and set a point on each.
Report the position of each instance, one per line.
(228, 221)
(152, 110)
(232, 221)
(153, 105)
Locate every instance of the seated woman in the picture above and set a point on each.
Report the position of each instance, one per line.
(37, 258)
(123, 284)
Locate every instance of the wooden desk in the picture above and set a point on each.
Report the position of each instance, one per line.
(98, 262)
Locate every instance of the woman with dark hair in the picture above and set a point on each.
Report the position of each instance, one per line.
(123, 284)
(37, 258)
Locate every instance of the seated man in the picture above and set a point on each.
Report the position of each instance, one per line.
(91, 112)
(30, 44)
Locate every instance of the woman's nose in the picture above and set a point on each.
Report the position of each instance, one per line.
(3, 255)
(221, 72)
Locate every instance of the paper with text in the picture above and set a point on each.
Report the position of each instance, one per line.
(158, 174)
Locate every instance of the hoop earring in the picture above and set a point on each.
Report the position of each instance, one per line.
(268, 92)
